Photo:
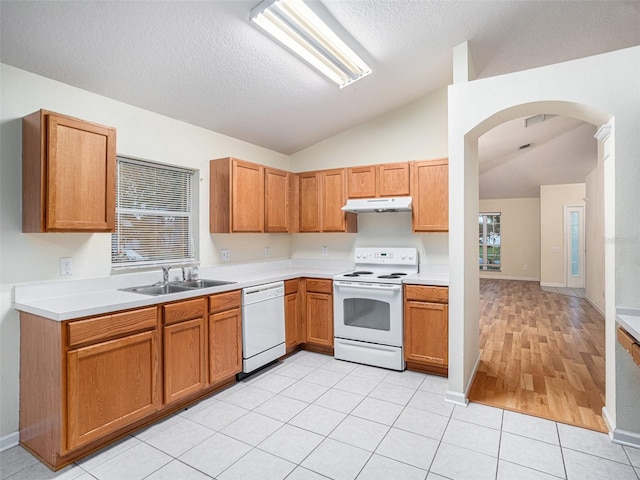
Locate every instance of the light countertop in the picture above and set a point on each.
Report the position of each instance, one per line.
(629, 319)
(87, 297)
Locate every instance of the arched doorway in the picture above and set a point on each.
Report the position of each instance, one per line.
(543, 353)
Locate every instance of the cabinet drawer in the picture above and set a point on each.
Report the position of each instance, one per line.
(177, 312)
(319, 286)
(290, 286)
(625, 340)
(93, 330)
(426, 294)
(224, 301)
(635, 353)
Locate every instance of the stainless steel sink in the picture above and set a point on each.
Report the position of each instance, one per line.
(163, 289)
(203, 283)
(175, 287)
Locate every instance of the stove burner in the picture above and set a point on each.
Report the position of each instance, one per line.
(397, 273)
(394, 275)
(357, 274)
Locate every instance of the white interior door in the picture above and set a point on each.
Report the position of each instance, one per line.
(574, 245)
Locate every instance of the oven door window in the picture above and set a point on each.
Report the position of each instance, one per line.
(366, 313)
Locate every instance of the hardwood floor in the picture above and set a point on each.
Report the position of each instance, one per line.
(542, 354)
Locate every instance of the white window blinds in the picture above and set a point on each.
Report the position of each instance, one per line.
(153, 215)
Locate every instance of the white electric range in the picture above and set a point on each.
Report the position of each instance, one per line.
(368, 307)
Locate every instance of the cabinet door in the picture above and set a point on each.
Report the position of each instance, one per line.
(361, 182)
(80, 179)
(111, 385)
(426, 333)
(225, 345)
(247, 197)
(319, 318)
(276, 183)
(393, 180)
(309, 202)
(184, 359)
(430, 194)
(294, 333)
(333, 199)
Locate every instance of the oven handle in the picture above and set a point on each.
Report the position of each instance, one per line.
(368, 286)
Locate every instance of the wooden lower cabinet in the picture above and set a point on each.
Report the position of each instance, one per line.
(87, 382)
(111, 385)
(319, 312)
(225, 336)
(294, 331)
(185, 354)
(426, 328)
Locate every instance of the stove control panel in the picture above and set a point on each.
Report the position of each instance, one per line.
(390, 256)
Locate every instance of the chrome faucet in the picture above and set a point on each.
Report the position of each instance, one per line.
(165, 273)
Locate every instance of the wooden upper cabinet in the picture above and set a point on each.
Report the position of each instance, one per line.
(387, 180)
(277, 201)
(310, 202)
(248, 197)
(361, 182)
(247, 191)
(322, 196)
(333, 199)
(68, 174)
(430, 193)
(236, 198)
(393, 180)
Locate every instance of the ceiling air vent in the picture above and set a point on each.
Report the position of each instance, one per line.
(522, 147)
(529, 122)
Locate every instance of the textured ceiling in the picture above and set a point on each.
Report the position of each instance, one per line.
(203, 62)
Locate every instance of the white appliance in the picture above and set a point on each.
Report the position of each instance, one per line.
(368, 307)
(262, 325)
(378, 205)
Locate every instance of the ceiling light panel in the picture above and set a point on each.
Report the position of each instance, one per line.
(296, 26)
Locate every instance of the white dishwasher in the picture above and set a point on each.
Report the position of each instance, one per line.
(262, 325)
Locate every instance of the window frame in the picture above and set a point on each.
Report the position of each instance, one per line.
(484, 244)
(189, 175)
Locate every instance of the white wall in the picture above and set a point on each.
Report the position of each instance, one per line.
(598, 89)
(519, 237)
(594, 234)
(553, 198)
(417, 131)
(142, 134)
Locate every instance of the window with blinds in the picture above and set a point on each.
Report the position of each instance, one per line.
(154, 223)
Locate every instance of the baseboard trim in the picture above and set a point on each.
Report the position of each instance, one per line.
(462, 398)
(456, 398)
(619, 436)
(509, 277)
(549, 284)
(593, 304)
(9, 441)
(625, 437)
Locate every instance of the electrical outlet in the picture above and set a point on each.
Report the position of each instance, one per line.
(325, 251)
(526, 267)
(267, 251)
(225, 255)
(66, 266)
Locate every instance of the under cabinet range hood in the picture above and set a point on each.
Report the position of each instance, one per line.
(378, 205)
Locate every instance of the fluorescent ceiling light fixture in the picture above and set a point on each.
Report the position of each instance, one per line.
(296, 26)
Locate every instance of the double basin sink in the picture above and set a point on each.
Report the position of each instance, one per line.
(175, 287)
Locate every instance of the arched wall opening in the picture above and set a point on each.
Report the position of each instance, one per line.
(597, 90)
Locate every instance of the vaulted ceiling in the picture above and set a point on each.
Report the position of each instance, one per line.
(203, 62)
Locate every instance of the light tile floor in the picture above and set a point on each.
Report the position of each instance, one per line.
(314, 417)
